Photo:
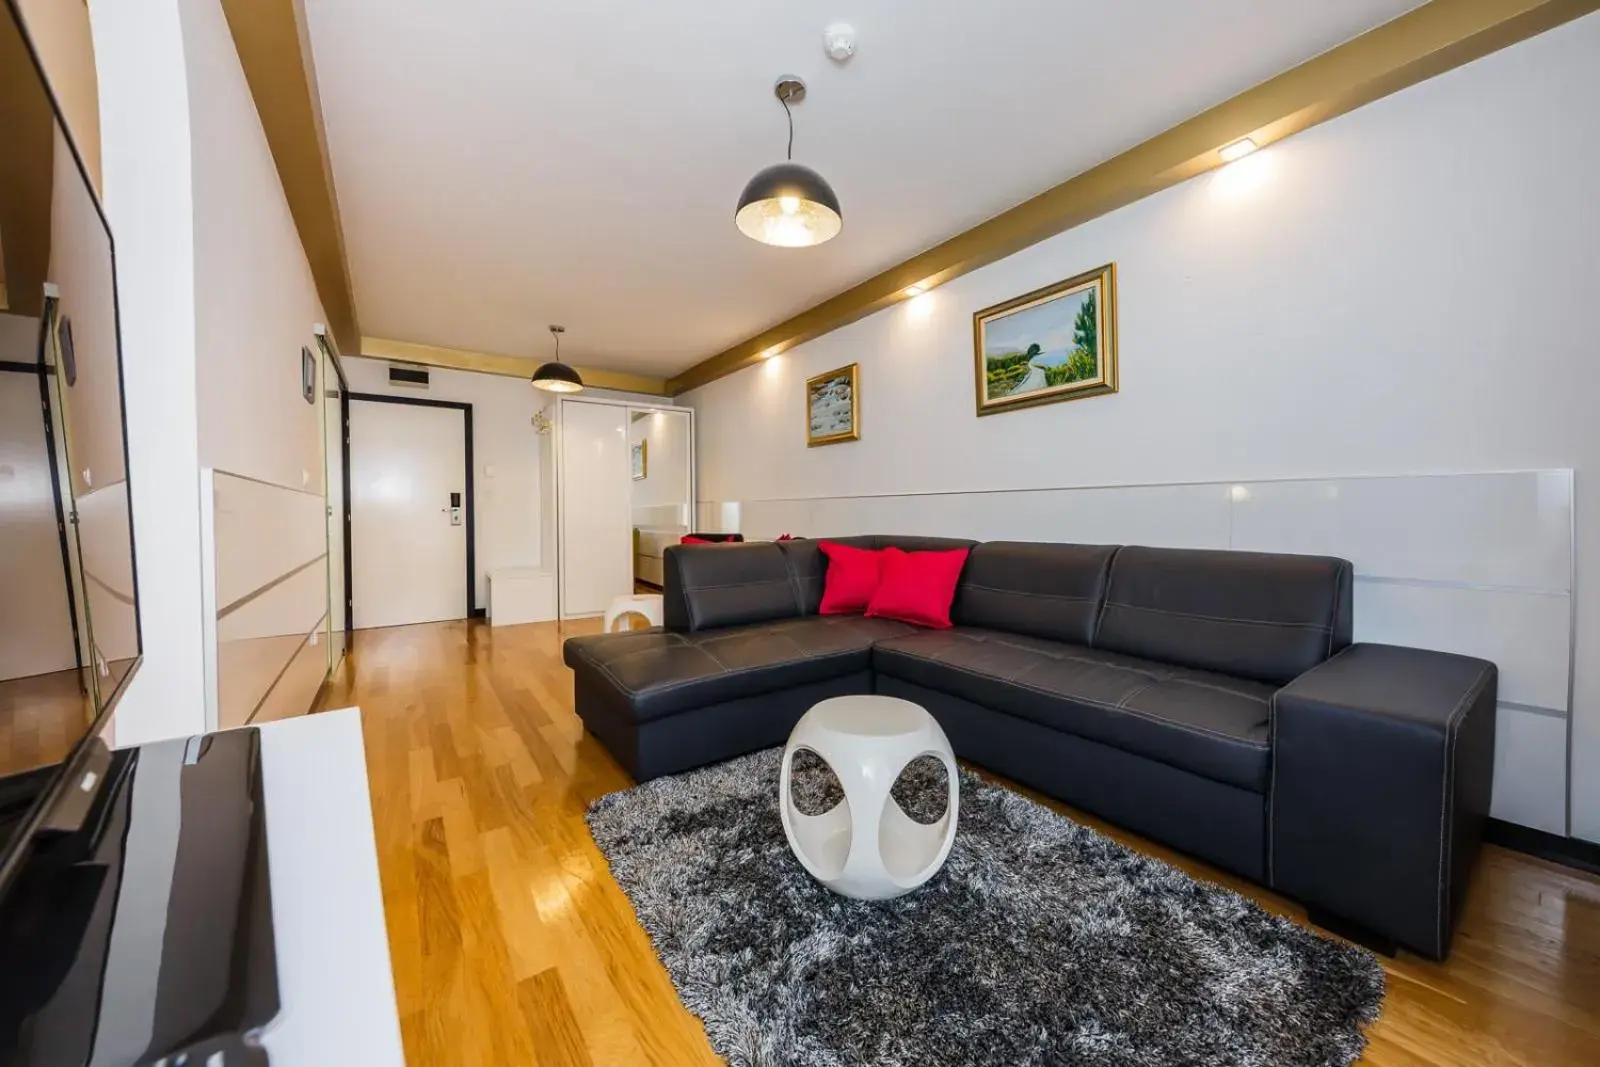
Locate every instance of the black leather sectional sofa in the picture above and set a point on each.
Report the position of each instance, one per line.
(1212, 701)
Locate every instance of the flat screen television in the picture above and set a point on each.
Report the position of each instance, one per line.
(69, 595)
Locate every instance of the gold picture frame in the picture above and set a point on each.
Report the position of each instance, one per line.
(1055, 343)
(828, 396)
(639, 460)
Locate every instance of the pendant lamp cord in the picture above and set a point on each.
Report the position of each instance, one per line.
(785, 102)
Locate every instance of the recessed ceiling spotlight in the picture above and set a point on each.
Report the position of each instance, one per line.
(1237, 150)
(916, 290)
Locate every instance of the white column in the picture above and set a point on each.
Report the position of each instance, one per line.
(148, 194)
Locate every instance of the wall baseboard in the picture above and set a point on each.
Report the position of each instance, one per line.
(1567, 851)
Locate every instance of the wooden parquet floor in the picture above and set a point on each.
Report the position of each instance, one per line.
(511, 943)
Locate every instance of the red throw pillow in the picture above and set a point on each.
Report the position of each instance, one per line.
(918, 587)
(695, 541)
(851, 579)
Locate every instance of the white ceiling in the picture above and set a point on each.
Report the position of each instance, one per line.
(504, 164)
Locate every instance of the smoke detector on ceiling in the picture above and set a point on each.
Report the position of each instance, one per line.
(839, 41)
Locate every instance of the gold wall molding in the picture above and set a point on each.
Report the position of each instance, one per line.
(1421, 44)
(494, 363)
(275, 52)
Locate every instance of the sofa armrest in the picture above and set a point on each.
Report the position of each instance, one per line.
(1382, 765)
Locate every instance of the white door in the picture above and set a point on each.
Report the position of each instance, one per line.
(596, 517)
(408, 553)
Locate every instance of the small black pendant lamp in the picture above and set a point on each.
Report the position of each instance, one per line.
(787, 204)
(556, 376)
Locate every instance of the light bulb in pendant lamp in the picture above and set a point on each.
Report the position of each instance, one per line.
(789, 205)
(556, 376)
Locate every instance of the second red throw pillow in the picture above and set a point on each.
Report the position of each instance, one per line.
(918, 587)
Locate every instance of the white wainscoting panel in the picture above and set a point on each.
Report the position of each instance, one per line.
(1530, 769)
(1526, 634)
(1475, 563)
(265, 593)
(1503, 529)
(263, 531)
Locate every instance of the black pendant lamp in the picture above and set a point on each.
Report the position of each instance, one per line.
(787, 204)
(556, 376)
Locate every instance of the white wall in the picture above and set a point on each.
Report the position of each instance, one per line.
(145, 140)
(216, 301)
(661, 498)
(505, 453)
(256, 302)
(256, 306)
(1407, 289)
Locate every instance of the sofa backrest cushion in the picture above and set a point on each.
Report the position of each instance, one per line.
(808, 566)
(1042, 590)
(1249, 614)
(707, 586)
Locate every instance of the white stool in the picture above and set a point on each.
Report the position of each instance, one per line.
(865, 846)
(645, 604)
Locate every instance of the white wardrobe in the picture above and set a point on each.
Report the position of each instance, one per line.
(623, 477)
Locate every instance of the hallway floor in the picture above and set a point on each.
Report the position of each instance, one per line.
(512, 944)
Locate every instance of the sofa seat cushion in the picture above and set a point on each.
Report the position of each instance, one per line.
(662, 672)
(1209, 724)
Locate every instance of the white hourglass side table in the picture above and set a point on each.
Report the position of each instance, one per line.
(865, 846)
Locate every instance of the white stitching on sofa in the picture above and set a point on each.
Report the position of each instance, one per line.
(1147, 716)
(1216, 618)
(1451, 728)
(736, 585)
(1030, 593)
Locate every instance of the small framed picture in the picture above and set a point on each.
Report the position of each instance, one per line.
(833, 407)
(1056, 343)
(639, 457)
(308, 375)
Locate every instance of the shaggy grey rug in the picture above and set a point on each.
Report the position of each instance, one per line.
(1041, 942)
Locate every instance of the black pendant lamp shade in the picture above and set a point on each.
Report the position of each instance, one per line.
(556, 376)
(787, 204)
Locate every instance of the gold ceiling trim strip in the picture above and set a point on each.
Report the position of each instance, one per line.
(1427, 41)
(493, 363)
(275, 52)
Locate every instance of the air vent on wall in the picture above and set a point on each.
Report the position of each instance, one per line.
(412, 377)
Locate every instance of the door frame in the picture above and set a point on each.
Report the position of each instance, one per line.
(325, 343)
(473, 611)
